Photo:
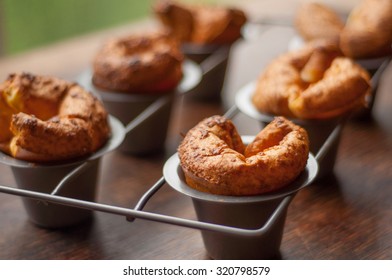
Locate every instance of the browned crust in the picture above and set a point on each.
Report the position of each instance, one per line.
(311, 83)
(5, 117)
(342, 88)
(316, 21)
(366, 33)
(67, 123)
(139, 63)
(368, 30)
(215, 160)
(201, 24)
(177, 18)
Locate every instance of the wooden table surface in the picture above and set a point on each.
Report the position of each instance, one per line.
(346, 215)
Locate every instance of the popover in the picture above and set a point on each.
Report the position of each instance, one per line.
(201, 24)
(314, 82)
(215, 160)
(139, 63)
(45, 119)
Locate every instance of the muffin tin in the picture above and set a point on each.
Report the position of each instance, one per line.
(223, 236)
(226, 234)
(223, 239)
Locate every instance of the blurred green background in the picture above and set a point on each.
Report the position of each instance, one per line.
(27, 24)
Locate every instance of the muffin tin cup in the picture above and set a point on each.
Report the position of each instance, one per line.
(213, 61)
(266, 212)
(242, 215)
(324, 135)
(76, 179)
(149, 137)
(146, 116)
(45, 179)
(376, 68)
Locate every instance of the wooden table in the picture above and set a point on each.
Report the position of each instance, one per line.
(347, 215)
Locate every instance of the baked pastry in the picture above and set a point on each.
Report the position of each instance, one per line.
(201, 24)
(139, 63)
(366, 33)
(215, 160)
(46, 119)
(313, 82)
(368, 30)
(317, 21)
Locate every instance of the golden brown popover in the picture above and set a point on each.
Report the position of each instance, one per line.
(201, 24)
(317, 21)
(368, 30)
(47, 119)
(313, 82)
(366, 33)
(215, 160)
(139, 63)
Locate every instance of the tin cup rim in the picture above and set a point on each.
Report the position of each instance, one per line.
(174, 176)
(115, 139)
